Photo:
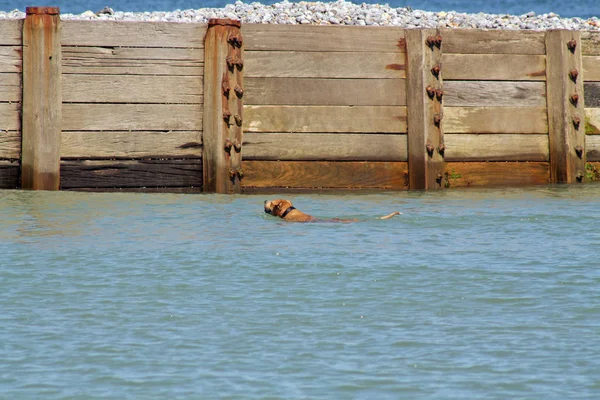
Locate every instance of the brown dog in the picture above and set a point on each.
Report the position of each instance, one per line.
(284, 209)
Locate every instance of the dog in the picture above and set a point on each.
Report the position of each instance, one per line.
(285, 210)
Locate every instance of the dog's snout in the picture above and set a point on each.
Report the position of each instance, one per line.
(267, 208)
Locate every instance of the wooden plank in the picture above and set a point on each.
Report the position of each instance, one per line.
(498, 67)
(132, 89)
(567, 165)
(494, 94)
(425, 137)
(592, 94)
(495, 120)
(325, 119)
(131, 174)
(10, 145)
(10, 87)
(266, 37)
(325, 174)
(592, 121)
(10, 116)
(324, 146)
(592, 147)
(132, 117)
(11, 59)
(11, 32)
(42, 99)
(476, 174)
(9, 174)
(471, 41)
(591, 68)
(139, 144)
(493, 147)
(325, 92)
(293, 64)
(133, 61)
(133, 34)
(590, 43)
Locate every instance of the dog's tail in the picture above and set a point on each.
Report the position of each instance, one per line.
(390, 215)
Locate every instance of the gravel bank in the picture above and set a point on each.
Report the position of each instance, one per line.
(341, 13)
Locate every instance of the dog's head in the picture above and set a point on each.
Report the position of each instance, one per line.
(278, 207)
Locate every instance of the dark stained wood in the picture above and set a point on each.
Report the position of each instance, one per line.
(494, 94)
(471, 41)
(325, 174)
(474, 174)
(592, 147)
(9, 174)
(131, 174)
(592, 94)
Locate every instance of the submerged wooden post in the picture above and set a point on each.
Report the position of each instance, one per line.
(223, 95)
(566, 121)
(424, 96)
(42, 99)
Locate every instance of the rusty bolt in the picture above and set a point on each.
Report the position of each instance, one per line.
(239, 63)
(228, 145)
(429, 148)
(230, 62)
(238, 91)
(579, 176)
(576, 122)
(572, 45)
(226, 116)
(430, 41)
(430, 91)
(437, 118)
(574, 98)
(238, 120)
(436, 70)
(226, 88)
(240, 173)
(232, 174)
(579, 151)
(442, 149)
(437, 41)
(235, 40)
(237, 146)
(439, 94)
(438, 178)
(573, 74)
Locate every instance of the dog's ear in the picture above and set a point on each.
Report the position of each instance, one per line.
(275, 207)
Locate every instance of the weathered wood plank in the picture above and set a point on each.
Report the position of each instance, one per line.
(470, 41)
(292, 64)
(9, 174)
(474, 174)
(11, 32)
(592, 121)
(493, 147)
(11, 59)
(494, 94)
(325, 119)
(10, 145)
(325, 174)
(132, 89)
(495, 120)
(133, 61)
(325, 92)
(149, 144)
(498, 67)
(591, 68)
(591, 92)
(131, 174)
(590, 43)
(324, 146)
(265, 37)
(10, 116)
(10, 87)
(133, 34)
(134, 117)
(592, 147)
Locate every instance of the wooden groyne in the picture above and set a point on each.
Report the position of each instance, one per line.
(225, 107)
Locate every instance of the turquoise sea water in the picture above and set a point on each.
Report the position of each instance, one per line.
(489, 294)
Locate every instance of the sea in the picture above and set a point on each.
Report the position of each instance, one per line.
(581, 8)
(468, 294)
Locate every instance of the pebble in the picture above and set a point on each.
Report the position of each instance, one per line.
(340, 13)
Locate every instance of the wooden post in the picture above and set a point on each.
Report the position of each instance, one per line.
(42, 99)
(566, 121)
(223, 94)
(424, 93)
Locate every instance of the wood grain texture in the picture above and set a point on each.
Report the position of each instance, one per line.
(267, 37)
(11, 32)
(9, 174)
(10, 87)
(325, 92)
(493, 147)
(131, 174)
(489, 174)
(591, 68)
(494, 94)
(325, 174)
(294, 64)
(132, 117)
(592, 147)
(138, 144)
(470, 41)
(10, 118)
(325, 119)
(592, 121)
(590, 43)
(592, 94)
(133, 61)
(10, 145)
(133, 34)
(495, 120)
(132, 89)
(324, 146)
(498, 67)
(11, 59)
